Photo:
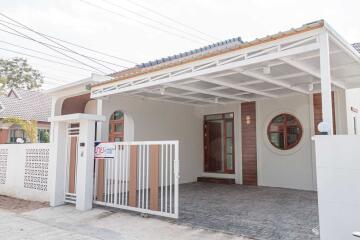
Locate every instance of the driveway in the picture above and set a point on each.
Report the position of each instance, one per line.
(256, 212)
(24, 220)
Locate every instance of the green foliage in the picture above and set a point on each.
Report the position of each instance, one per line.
(43, 136)
(17, 73)
(29, 127)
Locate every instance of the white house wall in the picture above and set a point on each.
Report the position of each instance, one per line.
(353, 100)
(292, 168)
(154, 120)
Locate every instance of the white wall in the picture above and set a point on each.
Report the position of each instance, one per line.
(26, 168)
(353, 100)
(338, 176)
(154, 120)
(291, 168)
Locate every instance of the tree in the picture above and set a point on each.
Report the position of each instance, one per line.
(17, 73)
(29, 127)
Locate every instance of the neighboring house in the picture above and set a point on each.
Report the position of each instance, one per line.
(27, 105)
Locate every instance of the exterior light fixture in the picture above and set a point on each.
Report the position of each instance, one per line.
(311, 87)
(162, 91)
(267, 70)
(248, 119)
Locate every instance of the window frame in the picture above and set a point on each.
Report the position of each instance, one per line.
(284, 126)
(12, 135)
(225, 118)
(112, 127)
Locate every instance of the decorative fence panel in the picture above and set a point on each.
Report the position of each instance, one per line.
(139, 176)
(24, 171)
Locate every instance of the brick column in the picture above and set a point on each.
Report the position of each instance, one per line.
(4, 135)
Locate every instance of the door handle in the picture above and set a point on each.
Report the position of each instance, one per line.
(356, 234)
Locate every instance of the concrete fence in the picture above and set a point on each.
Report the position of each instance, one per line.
(24, 171)
(338, 178)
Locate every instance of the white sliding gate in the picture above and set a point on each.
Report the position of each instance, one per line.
(138, 176)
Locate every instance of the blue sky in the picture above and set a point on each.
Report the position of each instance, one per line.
(77, 21)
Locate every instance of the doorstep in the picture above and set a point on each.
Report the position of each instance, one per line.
(216, 180)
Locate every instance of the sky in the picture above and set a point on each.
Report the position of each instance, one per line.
(136, 31)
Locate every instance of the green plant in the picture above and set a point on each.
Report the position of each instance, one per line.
(29, 127)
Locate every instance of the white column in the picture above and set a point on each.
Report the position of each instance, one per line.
(57, 172)
(85, 165)
(99, 109)
(325, 82)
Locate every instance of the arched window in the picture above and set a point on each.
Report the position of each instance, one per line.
(284, 131)
(116, 127)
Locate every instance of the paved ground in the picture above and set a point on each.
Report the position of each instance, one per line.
(255, 212)
(38, 222)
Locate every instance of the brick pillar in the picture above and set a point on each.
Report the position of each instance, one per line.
(4, 135)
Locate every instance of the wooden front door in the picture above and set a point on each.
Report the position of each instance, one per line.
(219, 143)
(213, 161)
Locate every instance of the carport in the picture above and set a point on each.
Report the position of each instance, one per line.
(250, 211)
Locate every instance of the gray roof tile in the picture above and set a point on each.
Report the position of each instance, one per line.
(215, 46)
(28, 105)
(356, 46)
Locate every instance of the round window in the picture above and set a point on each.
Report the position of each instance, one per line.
(284, 131)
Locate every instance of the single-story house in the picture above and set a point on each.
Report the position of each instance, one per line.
(26, 105)
(232, 112)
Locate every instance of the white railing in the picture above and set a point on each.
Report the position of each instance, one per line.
(142, 177)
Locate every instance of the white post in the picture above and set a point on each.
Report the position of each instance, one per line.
(325, 82)
(57, 171)
(99, 107)
(85, 165)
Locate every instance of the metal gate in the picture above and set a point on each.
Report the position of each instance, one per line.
(139, 176)
(73, 131)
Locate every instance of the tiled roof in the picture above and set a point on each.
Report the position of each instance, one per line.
(230, 43)
(216, 46)
(26, 104)
(205, 52)
(356, 46)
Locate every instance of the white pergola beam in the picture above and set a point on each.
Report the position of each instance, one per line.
(208, 92)
(183, 96)
(309, 70)
(106, 90)
(325, 78)
(273, 81)
(236, 86)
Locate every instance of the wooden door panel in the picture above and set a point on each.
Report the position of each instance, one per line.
(215, 144)
(72, 164)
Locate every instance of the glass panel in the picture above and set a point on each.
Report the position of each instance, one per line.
(277, 139)
(229, 162)
(229, 146)
(292, 139)
(119, 127)
(293, 135)
(43, 135)
(229, 115)
(278, 119)
(276, 128)
(117, 115)
(291, 120)
(117, 139)
(213, 117)
(229, 129)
